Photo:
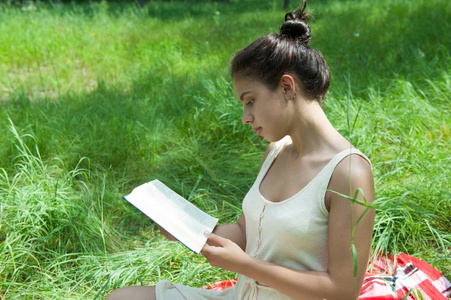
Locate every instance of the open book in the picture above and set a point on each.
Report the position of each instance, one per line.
(176, 215)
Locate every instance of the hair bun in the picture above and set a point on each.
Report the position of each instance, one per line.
(296, 29)
(296, 26)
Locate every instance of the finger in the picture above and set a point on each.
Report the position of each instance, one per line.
(205, 249)
(216, 240)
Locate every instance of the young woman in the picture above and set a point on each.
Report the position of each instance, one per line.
(298, 237)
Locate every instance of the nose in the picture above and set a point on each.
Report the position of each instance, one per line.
(247, 116)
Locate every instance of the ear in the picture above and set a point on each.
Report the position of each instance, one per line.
(288, 84)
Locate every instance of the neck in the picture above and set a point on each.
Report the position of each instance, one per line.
(312, 132)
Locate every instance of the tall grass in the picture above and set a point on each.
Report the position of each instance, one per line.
(411, 168)
(98, 98)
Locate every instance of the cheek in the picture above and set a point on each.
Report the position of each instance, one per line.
(278, 122)
(273, 115)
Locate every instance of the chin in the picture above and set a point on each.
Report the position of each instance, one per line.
(273, 139)
(270, 139)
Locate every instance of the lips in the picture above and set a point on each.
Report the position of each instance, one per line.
(257, 130)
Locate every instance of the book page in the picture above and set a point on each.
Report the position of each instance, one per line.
(176, 215)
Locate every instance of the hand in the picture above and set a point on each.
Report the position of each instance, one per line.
(225, 254)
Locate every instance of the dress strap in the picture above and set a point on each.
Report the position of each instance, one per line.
(273, 154)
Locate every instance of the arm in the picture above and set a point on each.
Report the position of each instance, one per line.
(338, 281)
(236, 232)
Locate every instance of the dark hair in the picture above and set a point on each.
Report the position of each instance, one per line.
(270, 57)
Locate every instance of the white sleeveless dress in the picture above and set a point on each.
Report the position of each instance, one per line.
(291, 233)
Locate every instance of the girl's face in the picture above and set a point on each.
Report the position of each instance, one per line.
(264, 110)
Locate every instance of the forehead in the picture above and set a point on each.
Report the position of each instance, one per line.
(246, 85)
(243, 81)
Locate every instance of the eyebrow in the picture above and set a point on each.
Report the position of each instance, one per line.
(244, 94)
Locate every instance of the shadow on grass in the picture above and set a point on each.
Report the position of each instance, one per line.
(139, 127)
(134, 130)
(182, 127)
(372, 46)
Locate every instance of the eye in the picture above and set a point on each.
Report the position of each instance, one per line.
(250, 102)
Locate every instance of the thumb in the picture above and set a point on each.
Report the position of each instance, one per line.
(215, 240)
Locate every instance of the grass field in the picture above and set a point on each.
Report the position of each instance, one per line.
(98, 98)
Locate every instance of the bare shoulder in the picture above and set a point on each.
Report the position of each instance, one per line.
(353, 166)
(352, 173)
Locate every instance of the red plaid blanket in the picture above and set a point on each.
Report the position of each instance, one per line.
(400, 277)
(404, 277)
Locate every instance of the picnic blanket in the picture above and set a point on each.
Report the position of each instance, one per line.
(403, 277)
(392, 277)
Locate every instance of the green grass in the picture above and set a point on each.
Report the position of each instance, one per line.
(98, 98)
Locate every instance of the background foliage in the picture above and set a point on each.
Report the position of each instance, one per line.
(97, 98)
